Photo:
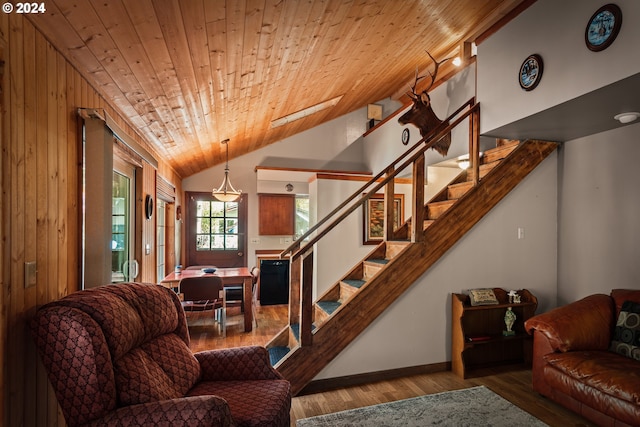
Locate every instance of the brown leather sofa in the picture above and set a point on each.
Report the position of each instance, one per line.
(574, 366)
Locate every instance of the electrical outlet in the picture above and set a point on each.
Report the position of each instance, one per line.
(255, 240)
(520, 233)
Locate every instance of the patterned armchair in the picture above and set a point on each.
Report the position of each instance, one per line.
(118, 355)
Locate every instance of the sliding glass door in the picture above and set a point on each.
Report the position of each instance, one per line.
(124, 267)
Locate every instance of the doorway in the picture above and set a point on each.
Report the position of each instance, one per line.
(216, 231)
(124, 267)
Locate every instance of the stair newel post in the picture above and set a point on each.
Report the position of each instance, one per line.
(295, 270)
(474, 145)
(306, 321)
(418, 209)
(389, 205)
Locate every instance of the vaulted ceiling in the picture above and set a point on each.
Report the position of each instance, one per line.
(190, 73)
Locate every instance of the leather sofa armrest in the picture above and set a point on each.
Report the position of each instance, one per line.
(239, 363)
(582, 325)
(195, 411)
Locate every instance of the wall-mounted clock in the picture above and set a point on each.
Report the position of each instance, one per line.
(530, 72)
(603, 27)
(405, 136)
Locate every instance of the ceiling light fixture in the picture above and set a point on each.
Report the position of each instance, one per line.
(627, 117)
(226, 192)
(306, 112)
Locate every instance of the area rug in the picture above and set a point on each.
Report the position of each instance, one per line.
(476, 406)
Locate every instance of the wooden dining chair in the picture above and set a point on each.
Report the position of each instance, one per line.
(205, 293)
(255, 288)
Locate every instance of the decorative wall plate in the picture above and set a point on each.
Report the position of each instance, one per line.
(530, 72)
(405, 136)
(148, 206)
(603, 27)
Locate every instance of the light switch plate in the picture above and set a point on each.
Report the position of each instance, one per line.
(30, 274)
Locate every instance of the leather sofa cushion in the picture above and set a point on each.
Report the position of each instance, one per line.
(605, 371)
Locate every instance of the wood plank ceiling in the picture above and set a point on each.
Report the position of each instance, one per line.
(190, 73)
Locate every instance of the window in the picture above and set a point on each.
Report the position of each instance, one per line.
(302, 215)
(124, 267)
(216, 225)
(120, 230)
(161, 243)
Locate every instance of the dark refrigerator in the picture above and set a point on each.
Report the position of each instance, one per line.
(274, 282)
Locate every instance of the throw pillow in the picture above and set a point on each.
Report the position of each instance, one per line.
(482, 297)
(626, 336)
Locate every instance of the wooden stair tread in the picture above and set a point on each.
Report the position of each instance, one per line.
(441, 203)
(499, 153)
(455, 191)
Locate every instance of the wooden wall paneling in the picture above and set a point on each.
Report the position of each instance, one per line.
(54, 201)
(32, 90)
(169, 16)
(148, 261)
(193, 12)
(166, 103)
(63, 165)
(215, 25)
(20, 70)
(40, 242)
(4, 190)
(40, 206)
(73, 144)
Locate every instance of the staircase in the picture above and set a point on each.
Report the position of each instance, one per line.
(346, 309)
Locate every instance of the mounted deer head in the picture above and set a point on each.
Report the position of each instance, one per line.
(421, 114)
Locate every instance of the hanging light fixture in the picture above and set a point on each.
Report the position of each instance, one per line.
(226, 192)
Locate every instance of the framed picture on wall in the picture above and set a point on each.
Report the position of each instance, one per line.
(374, 217)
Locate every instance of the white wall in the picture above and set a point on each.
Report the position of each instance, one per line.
(334, 144)
(341, 249)
(599, 211)
(489, 255)
(555, 30)
(384, 145)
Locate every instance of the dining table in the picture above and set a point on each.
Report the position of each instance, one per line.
(231, 277)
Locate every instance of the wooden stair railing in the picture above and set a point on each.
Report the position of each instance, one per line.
(304, 362)
(413, 156)
(316, 335)
(301, 251)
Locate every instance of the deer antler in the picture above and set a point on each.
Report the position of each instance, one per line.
(413, 94)
(435, 71)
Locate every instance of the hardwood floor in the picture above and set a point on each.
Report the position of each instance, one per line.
(514, 385)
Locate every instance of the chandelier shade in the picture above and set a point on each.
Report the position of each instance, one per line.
(226, 192)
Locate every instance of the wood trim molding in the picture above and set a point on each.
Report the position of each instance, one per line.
(319, 386)
(288, 169)
(362, 178)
